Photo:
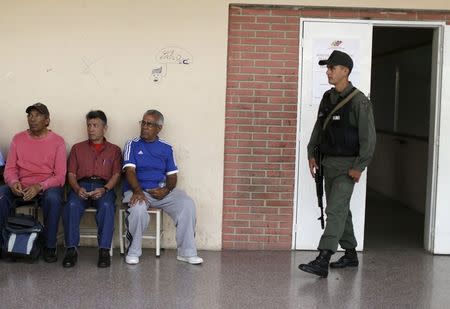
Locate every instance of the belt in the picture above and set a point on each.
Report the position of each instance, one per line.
(95, 179)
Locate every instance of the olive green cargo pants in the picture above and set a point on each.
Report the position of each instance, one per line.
(339, 226)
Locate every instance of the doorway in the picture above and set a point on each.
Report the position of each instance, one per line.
(401, 84)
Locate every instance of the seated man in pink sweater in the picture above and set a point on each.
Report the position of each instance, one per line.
(36, 168)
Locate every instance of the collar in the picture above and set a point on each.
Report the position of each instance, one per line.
(346, 91)
(143, 140)
(91, 143)
(47, 132)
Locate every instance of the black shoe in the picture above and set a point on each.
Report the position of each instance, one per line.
(104, 260)
(71, 257)
(319, 266)
(350, 259)
(50, 255)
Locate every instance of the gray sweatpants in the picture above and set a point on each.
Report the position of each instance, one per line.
(180, 208)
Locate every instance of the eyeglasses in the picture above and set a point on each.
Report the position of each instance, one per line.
(144, 123)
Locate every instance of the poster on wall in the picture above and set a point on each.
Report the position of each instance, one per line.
(322, 48)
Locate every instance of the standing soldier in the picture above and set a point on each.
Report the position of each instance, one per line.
(345, 135)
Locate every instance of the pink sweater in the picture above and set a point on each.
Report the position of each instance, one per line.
(36, 160)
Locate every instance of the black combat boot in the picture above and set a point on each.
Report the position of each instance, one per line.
(319, 266)
(350, 258)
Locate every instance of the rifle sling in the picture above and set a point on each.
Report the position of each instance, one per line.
(338, 107)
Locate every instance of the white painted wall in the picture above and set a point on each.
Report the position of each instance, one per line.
(80, 55)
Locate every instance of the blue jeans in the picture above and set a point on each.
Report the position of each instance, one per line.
(104, 217)
(50, 201)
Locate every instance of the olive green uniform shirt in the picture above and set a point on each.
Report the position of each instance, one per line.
(361, 116)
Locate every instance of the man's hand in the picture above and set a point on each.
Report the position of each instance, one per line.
(354, 174)
(313, 167)
(30, 192)
(159, 193)
(97, 193)
(83, 193)
(138, 196)
(16, 188)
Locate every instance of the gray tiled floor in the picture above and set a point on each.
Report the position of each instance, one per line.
(394, 273)
(385, 279)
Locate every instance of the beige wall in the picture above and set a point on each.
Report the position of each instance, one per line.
(80, 55)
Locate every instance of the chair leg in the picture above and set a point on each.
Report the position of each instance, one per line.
(158, 233)
(36, 212)
(33, 210)
(121, 227)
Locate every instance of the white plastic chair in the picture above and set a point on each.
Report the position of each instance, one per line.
(155, 235)
(88, 232)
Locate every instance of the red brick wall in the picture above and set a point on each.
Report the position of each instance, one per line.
(261, 120)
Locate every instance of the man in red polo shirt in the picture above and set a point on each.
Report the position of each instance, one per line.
(94, 169)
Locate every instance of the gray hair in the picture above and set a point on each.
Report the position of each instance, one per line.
(154, 112)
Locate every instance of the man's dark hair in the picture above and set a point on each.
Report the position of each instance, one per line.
(97, 114)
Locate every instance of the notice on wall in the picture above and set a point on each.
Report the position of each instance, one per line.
(322, 48)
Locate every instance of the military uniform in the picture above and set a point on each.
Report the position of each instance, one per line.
(338, 184)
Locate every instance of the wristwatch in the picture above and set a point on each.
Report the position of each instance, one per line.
(106, 188)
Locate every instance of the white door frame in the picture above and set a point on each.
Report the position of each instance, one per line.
(433, 150)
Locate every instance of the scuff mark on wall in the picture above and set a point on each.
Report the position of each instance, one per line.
(7, 76)
(89, 68)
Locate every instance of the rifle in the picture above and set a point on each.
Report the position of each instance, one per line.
(318, 177)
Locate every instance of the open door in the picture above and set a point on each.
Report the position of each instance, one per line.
(319, 39)
(442, 226)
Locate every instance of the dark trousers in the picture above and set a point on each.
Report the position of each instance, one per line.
(50, 200)
(104, 217)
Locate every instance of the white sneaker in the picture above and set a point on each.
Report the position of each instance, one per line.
(132, 260)
(190, 259)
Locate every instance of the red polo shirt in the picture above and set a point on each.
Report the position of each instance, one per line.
(85, 161)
